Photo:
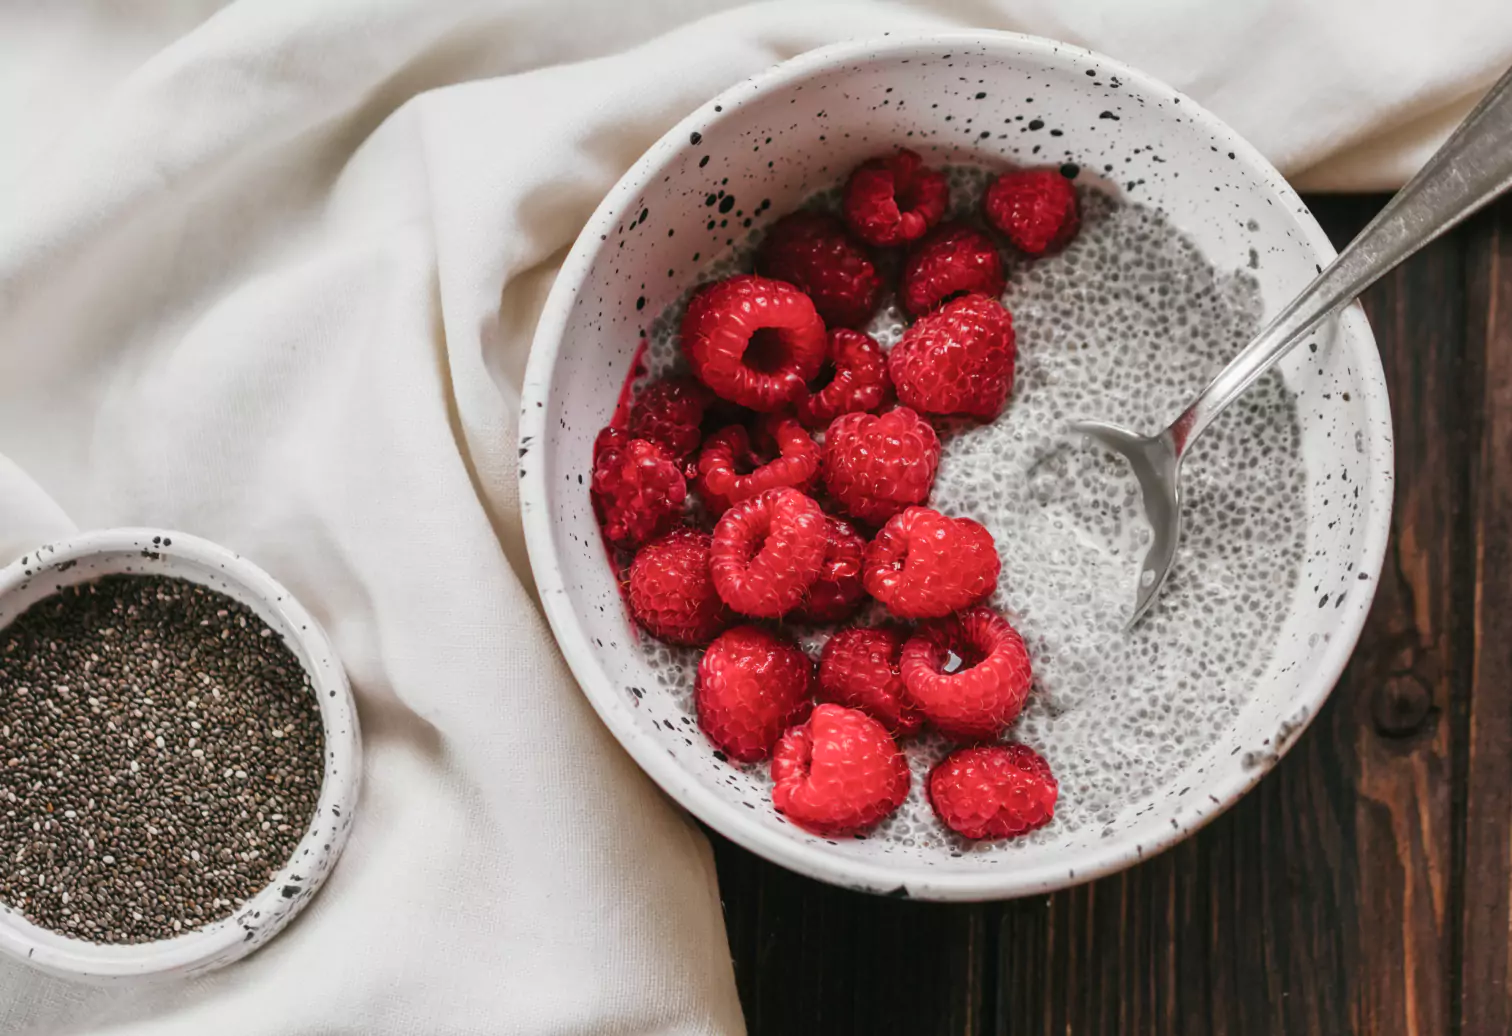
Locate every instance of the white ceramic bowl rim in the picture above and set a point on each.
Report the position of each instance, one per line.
(576, 645)
(223, 941)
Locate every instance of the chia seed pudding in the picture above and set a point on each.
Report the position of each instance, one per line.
(1125, 325)
(161, 754)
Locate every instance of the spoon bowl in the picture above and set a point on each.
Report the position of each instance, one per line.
(1156, 464)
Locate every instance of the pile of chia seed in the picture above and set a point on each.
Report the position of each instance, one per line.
(161, 754)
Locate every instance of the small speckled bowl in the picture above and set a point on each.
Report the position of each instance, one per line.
(155, 552)
(756, 152)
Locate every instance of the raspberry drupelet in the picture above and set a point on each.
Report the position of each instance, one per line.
(754, 341)
(894, 199)
(951, 260)
(923, 565)
(839, 773)
(731, 470)
(670, 413)
(860, 380)
(637, 489)
(861, 668)
(987, 692)
(671, 592)
(957, 359)
(837, 592)
(1035, 209)
(751, 686)
(993, 791)
(876, 465)
(813, 252)
(768, 551)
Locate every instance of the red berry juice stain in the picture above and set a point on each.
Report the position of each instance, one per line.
(621, 419)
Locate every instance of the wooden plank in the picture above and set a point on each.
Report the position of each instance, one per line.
(1413, 663)
(1230, 932)
(1485, 991)
(812, 958)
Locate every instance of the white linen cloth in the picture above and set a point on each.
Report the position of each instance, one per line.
(269, 273)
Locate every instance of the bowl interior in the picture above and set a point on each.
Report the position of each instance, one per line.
(757, 152)
(162, 553)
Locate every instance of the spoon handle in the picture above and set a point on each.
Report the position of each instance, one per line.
(1473, 166)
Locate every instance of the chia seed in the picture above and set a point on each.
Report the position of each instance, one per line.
(161, 754)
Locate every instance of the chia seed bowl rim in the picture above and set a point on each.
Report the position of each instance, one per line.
(265, 914)
(539, 410)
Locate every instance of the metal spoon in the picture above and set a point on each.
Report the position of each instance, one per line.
(1473, 167)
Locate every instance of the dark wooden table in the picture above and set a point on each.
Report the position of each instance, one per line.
(1363, 886)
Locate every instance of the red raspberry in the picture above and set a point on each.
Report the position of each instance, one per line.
(768, 551)
(812, 251)
(923, 565)
(636, 488)
(729, 470)
(753, 341)
(1035, 209)
(860, 668)
(670, 413)
(951, 260)
(993, 791)
(860, 379)
(876, 466)
(957, 359)
(986, 692)
(839, 773)
(893, 200)
(752, 685)
(671, 592)
(837, 593)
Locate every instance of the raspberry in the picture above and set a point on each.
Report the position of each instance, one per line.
(751, 686)
(860, 668)
(957, 359)
(837, 593)
(671, 592)
(636, 488)
(768, 551)
(893, 200)
(670, 413)
(993, 791)
(812, 251)
(839, 773)
(951, 260)
(923, 565)
(876, 466)
(986, 692)
(860, 379)
(753, 341)
(1035, 209)
(729, 470)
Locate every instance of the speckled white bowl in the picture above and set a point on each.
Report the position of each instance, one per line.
(157, 552)
(990, 97)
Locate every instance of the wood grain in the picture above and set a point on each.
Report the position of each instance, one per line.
(1485, 991)
(1364, 887)
(1388, 719)
(812, 958)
